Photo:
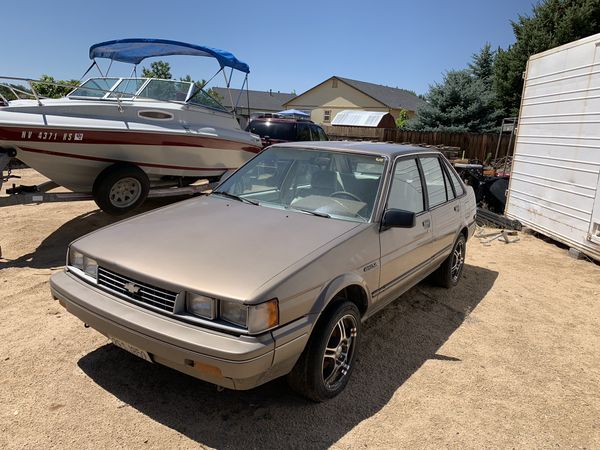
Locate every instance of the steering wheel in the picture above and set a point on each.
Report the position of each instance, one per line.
(346, 194)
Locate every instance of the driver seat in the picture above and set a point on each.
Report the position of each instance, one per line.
(325, 183)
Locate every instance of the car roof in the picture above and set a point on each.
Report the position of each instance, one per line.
(280, 119)
(375, 148)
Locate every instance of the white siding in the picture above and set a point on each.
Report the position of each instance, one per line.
(554, 183)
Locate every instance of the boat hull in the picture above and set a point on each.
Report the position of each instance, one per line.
(74, 158)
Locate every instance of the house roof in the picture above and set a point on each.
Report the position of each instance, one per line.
(259, 100)
(353, 118)
(391, 97)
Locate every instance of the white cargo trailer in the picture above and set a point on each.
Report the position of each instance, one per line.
(555, 183)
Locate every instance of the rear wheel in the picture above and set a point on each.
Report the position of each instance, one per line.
(450, 271)
(120, 188)
(326, 363)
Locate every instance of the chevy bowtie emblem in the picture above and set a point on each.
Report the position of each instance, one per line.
(131, 288)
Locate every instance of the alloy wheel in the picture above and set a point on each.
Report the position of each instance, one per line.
(339, 352)
(458, 260)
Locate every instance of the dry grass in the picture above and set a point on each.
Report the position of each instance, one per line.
(509, 358)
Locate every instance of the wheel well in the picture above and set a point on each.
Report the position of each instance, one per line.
(356, 294)
(465, 232)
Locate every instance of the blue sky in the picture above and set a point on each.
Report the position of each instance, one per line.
(288, 45)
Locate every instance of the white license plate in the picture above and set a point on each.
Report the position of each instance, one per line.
(131, 349)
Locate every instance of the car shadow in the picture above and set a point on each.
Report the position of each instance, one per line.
(52, 250)
(396, 343)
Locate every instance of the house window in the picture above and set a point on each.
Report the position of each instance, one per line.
(327, 115)
(334, 83)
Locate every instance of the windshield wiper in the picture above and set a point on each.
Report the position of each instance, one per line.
(314, 213)
(237, 197)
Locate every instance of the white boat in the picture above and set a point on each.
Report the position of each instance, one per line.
(116, 137)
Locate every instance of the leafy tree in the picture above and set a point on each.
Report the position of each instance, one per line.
(552, 23)
(52, 91)
(462, 102)
(21, 91)
(158, 69)
(402, 119)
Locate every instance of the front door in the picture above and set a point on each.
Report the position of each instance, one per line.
(405, 251)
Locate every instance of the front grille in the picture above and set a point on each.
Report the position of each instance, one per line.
(138, 291)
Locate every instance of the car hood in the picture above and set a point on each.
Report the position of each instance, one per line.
(211, 245)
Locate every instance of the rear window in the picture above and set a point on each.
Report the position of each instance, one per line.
(285, 131)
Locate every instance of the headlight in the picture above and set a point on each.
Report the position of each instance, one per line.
(84, 263)
(90, 267)
(234, 312)
(200, 305)
(76, 259)
(255, 318)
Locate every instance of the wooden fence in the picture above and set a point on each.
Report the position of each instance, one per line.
(474, 145)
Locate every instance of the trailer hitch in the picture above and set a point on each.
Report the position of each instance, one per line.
(5, 159)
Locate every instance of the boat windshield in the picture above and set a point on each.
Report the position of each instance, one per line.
(127, 88)
(96, 88)
(144, 88)
(167, 90)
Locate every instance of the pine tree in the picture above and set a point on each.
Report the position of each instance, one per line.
(462, 102)
(482, 65)
(552, 23)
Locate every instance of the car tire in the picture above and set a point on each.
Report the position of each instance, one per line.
(449, 273)
(120, 188)
(325, 366)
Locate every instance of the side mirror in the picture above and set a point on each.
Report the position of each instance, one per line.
(397, 218)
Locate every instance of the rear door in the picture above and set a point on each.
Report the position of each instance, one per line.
(405, 251)
(443, 205)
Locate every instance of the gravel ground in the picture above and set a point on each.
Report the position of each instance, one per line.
(509, 358)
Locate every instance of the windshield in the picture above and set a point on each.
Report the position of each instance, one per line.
(200, 97)
(167, 90)
(283, 131)
(321, 182)
(97, 87)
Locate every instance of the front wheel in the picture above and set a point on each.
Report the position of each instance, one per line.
(120, 188)
(326, 363)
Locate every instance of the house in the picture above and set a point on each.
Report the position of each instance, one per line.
(336, 94)
(260, 102)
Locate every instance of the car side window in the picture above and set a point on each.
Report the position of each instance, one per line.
(434, 180)
(314, 134)
(322, 135)
(406, 192)
(449, 190)
(455, 181)
(303, 132)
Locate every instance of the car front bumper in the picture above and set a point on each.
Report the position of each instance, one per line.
(235, 362)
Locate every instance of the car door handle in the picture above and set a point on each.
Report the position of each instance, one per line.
(457, 208)
(426, 223)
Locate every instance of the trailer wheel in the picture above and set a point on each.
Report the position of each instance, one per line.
(120, 188)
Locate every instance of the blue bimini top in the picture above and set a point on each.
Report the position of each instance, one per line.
(136, 50)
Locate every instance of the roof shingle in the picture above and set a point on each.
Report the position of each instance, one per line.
(394, 98)
(259, 100)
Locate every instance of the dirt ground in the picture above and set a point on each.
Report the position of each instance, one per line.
(509, 358)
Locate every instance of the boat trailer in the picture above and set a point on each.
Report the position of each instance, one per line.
(23, 195)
